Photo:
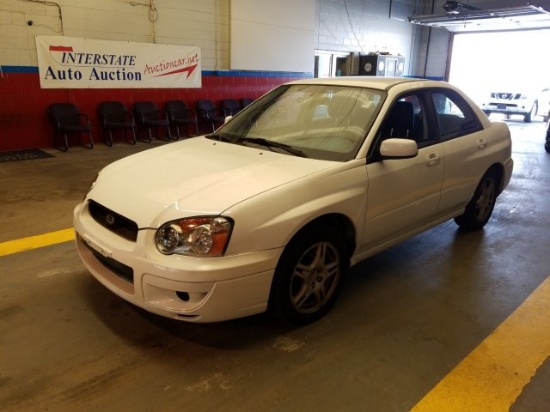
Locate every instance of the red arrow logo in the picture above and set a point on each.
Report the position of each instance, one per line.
(189, 70)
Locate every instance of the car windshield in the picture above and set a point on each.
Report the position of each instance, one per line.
(315, 121)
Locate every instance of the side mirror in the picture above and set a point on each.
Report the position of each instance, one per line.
(395, 148)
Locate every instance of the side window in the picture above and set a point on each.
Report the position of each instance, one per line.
(454, 116)
(407, 119)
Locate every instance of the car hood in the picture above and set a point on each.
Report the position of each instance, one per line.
(194, 177)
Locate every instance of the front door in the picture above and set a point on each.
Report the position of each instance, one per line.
(404, 194)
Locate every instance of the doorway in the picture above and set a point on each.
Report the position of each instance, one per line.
(481, 62)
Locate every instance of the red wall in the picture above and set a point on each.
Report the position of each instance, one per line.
(24, 123)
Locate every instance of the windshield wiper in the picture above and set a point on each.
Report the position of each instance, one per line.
(271, 144)
(220, 137)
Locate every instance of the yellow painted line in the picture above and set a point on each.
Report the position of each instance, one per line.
(493, 375)
(33, 242)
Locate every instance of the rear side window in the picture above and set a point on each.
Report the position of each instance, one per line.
(454, 116)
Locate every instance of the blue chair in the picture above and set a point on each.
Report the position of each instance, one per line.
(210, 114)
(149, 117)
(66, 120)
(115, 116)
(179, 114)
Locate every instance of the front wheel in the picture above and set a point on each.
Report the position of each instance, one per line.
(479, 209)
(531, 115)
(309, 276)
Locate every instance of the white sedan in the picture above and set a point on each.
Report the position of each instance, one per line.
(271, 210)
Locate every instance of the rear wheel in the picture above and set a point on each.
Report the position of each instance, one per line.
(309, 276)
(479, 209)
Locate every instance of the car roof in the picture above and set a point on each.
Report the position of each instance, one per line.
(381, 83)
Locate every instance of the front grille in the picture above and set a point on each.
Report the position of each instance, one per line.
(116, 223)
(119, 269)
(506, 96)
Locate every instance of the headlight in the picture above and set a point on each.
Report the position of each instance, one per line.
(196, 236)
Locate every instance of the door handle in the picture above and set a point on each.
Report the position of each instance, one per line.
(432, 159)
(481, 143)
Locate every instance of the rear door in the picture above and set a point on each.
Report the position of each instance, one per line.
(464, 144)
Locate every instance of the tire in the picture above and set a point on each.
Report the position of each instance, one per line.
(309, 276)
(479, 209)
(528, 118)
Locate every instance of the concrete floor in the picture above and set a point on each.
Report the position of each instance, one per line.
(404, 320)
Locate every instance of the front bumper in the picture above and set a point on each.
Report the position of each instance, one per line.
(508, 108)
(178, 287)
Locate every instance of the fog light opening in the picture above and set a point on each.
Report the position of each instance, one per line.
(183, 296)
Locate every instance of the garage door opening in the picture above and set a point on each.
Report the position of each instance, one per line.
(502, 62)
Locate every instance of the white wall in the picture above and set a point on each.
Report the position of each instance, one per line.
(365, 26)
(203, 23)
(272, 35)
(266, 35)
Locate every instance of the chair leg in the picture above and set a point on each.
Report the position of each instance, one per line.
(139, 131)
(187, 129)
(177, 132)
(108, 133)
(89, 145)
(170, 134)
(134, 140)
(56, 137)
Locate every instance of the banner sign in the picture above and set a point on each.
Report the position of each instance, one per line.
(77, 63)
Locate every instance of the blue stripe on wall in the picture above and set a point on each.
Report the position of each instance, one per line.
(19, 69)
(220, 73)
(254, 73)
